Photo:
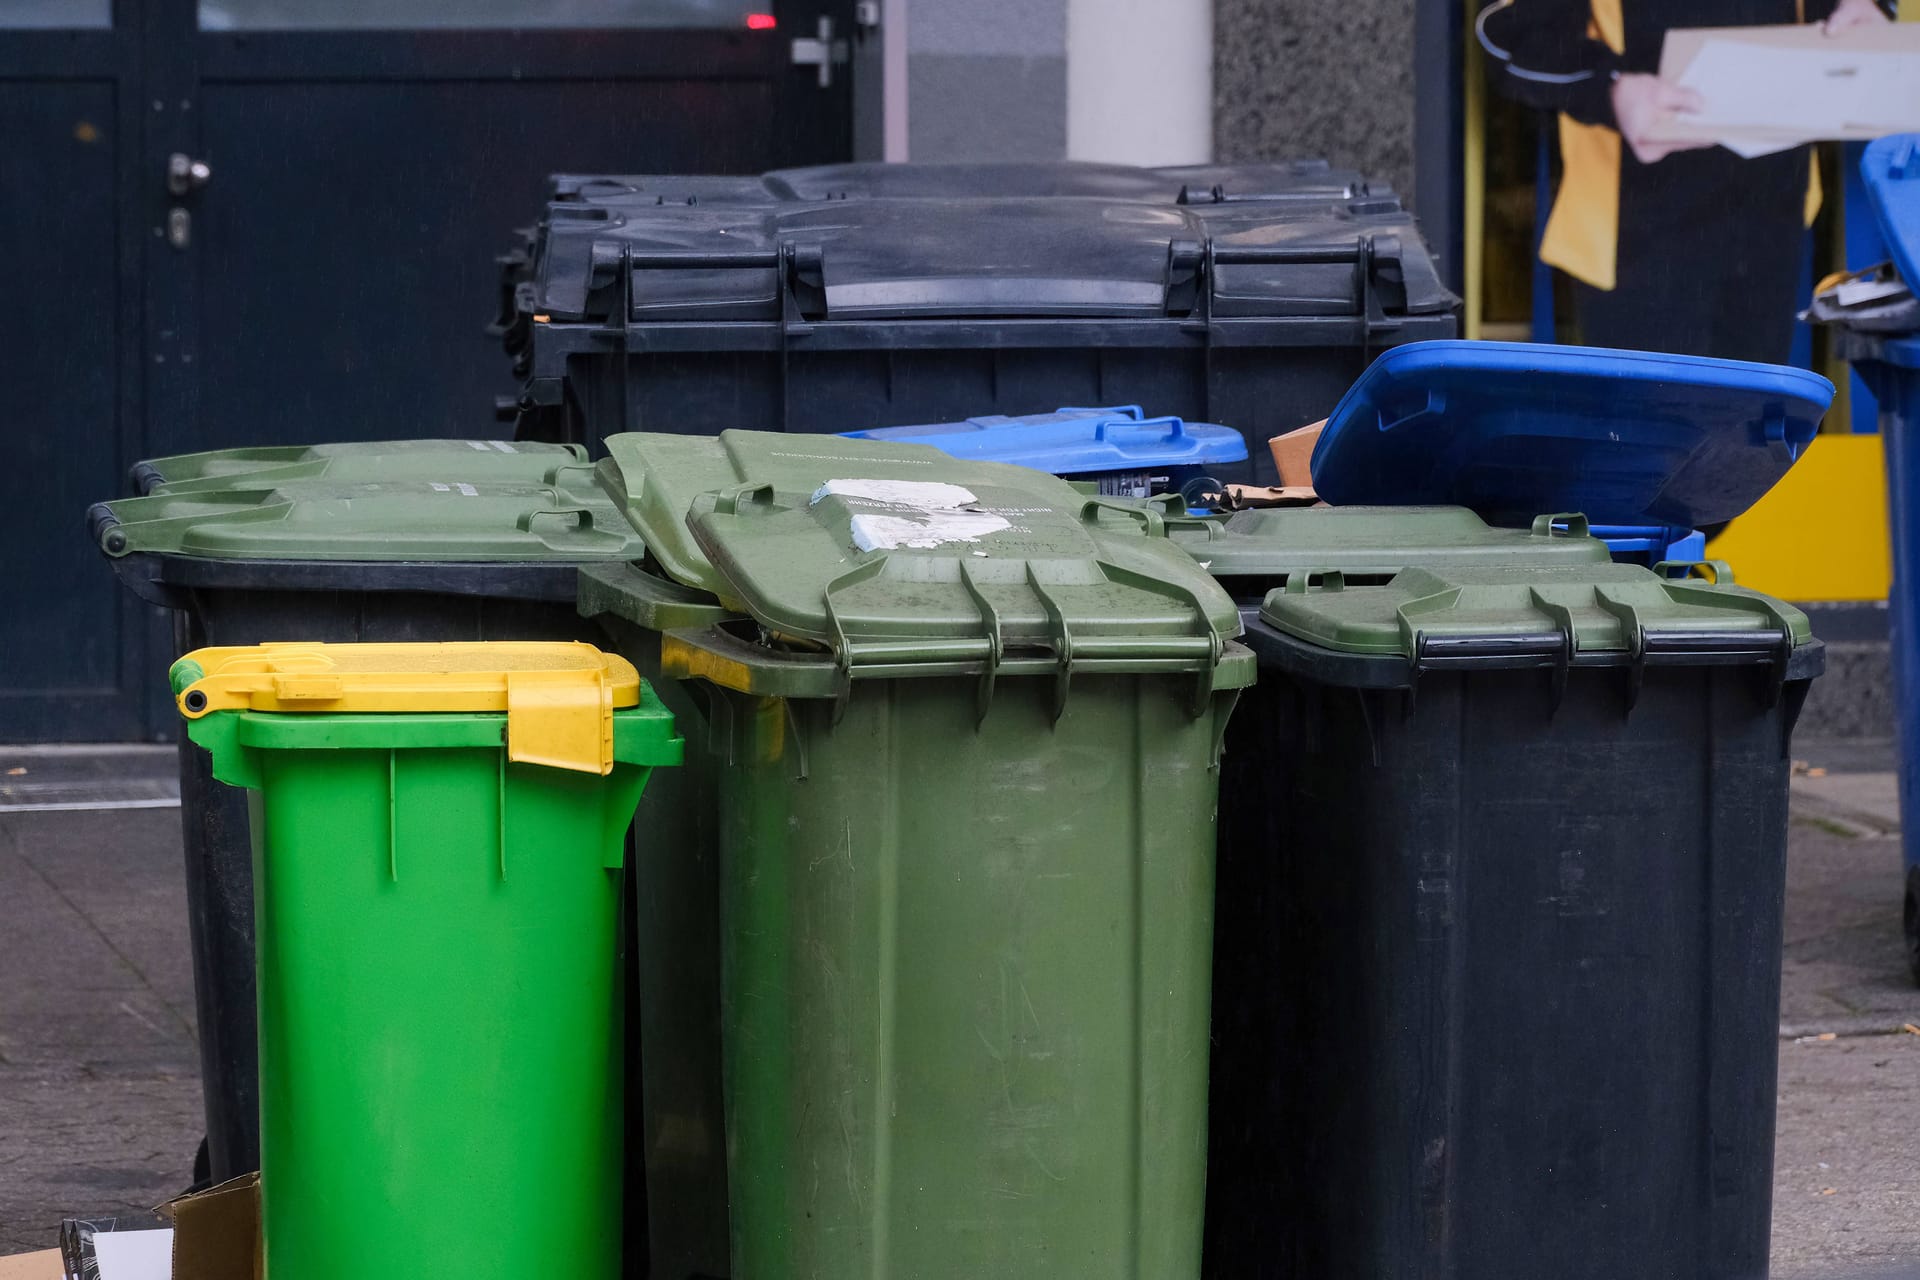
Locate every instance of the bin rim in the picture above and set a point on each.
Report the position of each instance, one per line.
(1277, 650)
(727, 657)
(648, 600)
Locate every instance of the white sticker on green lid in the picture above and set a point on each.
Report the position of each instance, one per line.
(924, 494)
(919, 513)
(924, 529)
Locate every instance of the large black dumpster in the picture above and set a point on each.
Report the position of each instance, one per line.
(1220, 296)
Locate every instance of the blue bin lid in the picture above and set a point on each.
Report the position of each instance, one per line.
(1513, 429)
(1638, 537)
(1072, 441)
(1890, 167)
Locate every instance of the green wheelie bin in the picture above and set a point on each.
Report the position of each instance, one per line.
(454, 541)
(441, 833)
(966, 740)
(658, 479)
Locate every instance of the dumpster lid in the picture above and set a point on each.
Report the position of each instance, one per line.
(1488, 614)
(559, 697)
(1513, 429)
(928, 576)
(1076, 441)
(416, 520)
(996, 257)
(1293, 180)
(1374, 541)
(1890, 167)
(502, 460)
(655, 478)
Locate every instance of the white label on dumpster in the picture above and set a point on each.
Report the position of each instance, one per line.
(504, 447)
(919, 513)
(481, 445)
(467, 490)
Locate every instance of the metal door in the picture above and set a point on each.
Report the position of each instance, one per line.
(275, 221)
(71, 641)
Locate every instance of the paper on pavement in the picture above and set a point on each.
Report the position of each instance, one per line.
(134, 1255)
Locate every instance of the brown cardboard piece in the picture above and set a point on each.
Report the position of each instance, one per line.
(216, 1233)
(1242, 496)
(1684, 43)
(1293, 454)
(44, 1265)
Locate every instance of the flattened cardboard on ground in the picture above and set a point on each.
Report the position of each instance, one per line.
(1293, 454)
(44, 1265)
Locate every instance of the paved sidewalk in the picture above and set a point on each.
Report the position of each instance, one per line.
(100, 1105)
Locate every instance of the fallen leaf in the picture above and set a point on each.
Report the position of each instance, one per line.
(16, 773)
(1816, 773)
(1828, 1035)
(1829, 1191)
(1910, 1029)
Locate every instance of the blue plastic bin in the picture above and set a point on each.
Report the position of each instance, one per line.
(1893, 373)
(1889, 363)
(1513, 430)
(1649, 545)
(1120, 448)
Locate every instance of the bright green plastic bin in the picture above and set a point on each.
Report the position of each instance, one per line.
(440, 832)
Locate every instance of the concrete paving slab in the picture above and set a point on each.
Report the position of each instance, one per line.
(1846, 1186)
(100, 1109)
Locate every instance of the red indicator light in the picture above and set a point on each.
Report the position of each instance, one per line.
(761, 22)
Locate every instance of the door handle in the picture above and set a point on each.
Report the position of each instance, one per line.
(821, 51)
(185, 174)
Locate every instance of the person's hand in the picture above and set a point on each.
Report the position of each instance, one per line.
(1850, 14)
(1640, 102)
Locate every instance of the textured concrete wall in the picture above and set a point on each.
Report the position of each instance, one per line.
(987, 79)
(1329, 78)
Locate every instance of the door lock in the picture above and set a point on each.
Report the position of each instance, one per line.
(185, 174)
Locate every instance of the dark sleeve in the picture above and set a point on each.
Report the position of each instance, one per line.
(1821, 10)
(1540, 55)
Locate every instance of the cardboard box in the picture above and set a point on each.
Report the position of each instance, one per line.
(1293, 454)
(216, 1233)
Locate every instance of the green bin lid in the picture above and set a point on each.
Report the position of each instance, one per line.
(1492, 612)
(1276, 542)
(457, 521)
(925, 575)
(502, 461)
(656, 478)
